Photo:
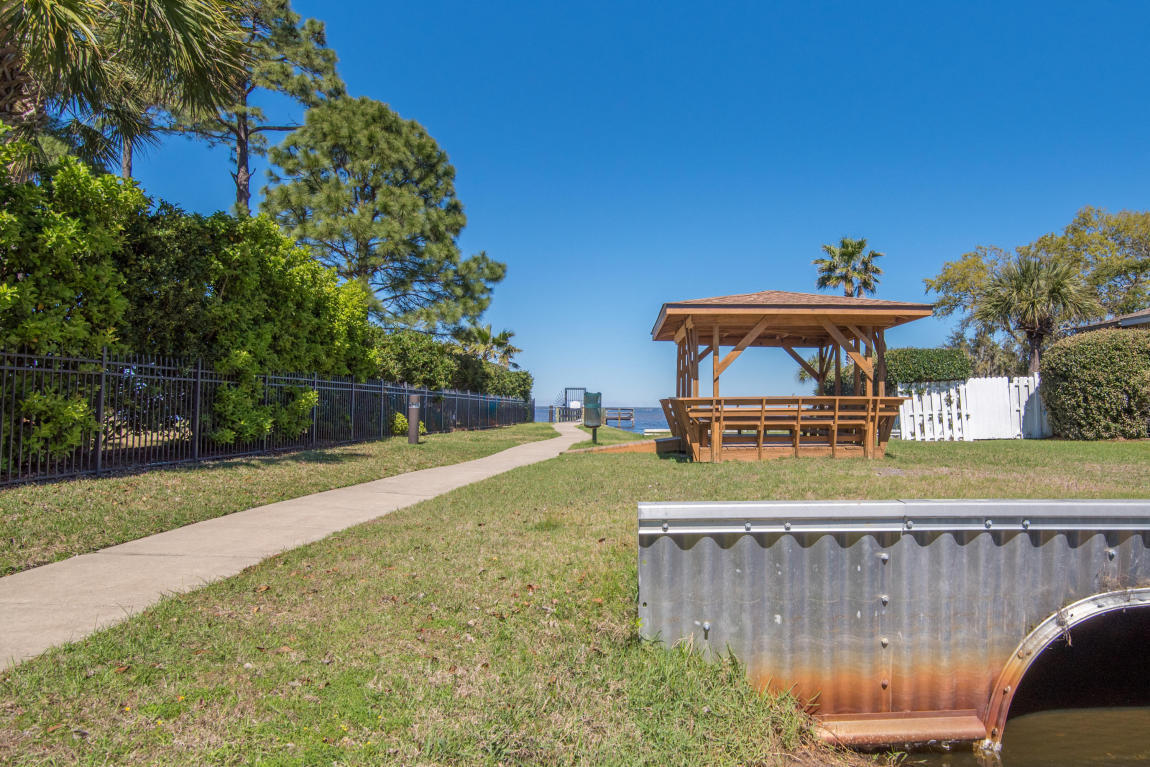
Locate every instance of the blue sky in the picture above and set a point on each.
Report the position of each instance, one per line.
(619, 155)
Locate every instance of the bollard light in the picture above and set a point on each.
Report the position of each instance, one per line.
(413, 419)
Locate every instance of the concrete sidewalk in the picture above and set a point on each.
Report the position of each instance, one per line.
(68, 600)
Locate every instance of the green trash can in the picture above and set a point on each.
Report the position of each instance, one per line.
(593, 410)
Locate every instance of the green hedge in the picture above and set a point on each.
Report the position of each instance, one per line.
(909, 365)
(1096, 385)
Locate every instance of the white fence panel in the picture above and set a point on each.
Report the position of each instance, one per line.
(1029, 409)
(978, 408)
(991, 414)
(934, 412)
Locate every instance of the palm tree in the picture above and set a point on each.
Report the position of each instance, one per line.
(477, 340)
(480, 341)
(106, 61)
(848, 266)
(505, 351)
(1032, 296)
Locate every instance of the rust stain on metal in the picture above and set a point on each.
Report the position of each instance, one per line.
(899, 622)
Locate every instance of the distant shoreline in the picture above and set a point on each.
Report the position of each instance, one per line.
(645, 418)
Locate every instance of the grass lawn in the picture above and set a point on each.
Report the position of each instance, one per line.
(493, 625)
(608, 435)
(44, 523)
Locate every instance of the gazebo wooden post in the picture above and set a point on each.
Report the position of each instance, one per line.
(716, 407)
(880, 370)
(858, 373)
(838, 370)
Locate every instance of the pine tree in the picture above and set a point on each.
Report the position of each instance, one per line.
(373, 195)
(289, 57)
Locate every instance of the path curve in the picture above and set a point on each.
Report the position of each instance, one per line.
(67, 600)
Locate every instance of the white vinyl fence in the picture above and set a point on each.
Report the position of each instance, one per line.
(978, 408)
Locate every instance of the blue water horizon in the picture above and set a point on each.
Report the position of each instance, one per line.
(645, 418)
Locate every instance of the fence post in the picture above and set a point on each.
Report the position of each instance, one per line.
(351, 412)
(196, 410)
(100, 410)
(268, 432)
(315, 410)
(382, 409)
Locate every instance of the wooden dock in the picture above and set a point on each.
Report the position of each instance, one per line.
(619, 415)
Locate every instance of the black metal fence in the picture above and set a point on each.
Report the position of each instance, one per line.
(69, 416)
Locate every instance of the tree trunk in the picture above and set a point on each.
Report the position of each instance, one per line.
(243, 172)
(1034, 341)
(18, 104)
(125, 158)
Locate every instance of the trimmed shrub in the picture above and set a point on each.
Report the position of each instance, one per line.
(910, 365)
(1096, 385)
(399, 426)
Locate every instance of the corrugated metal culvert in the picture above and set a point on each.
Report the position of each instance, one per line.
(899, 621)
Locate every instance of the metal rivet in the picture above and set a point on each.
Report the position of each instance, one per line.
(988, 523)
(885, 684)
(885, 599)
(665, 527)
(1110, 554)
(884, 641)
(1026, 524)
(747, 526)
(884, 557)
(909, 524)
(706, 629)
(1006, 690)
(786, 525)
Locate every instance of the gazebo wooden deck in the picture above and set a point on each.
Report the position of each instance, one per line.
(718, 428)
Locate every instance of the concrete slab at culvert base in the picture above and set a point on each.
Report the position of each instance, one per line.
(67, 600)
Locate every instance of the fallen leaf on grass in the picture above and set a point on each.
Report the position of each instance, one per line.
(262, 588)
(53, 728)
(121, 669)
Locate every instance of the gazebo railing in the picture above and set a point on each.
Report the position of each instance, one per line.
(750, 427)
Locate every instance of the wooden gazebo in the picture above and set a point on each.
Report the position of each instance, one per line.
(718, 428)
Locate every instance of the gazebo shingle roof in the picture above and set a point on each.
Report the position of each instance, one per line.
(786, 298)
(796, 318)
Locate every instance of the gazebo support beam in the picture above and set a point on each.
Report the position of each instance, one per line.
(748, 339)
(803, 363)
(861, 363)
